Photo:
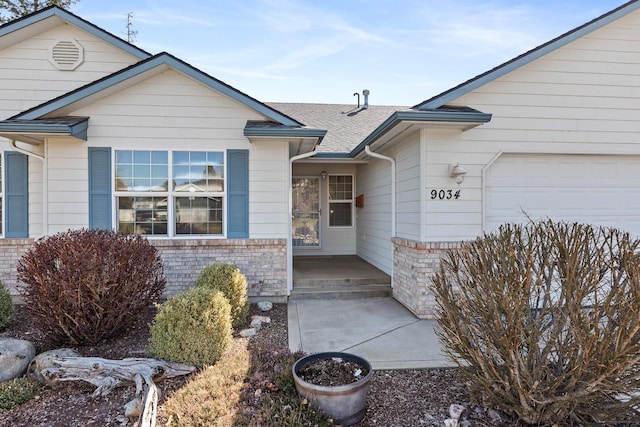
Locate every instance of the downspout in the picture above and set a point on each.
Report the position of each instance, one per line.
(45, 199)
(393, 196)
(290, 220)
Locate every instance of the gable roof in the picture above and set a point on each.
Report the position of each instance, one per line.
(156, 64)
(50, 17)
(527, 57)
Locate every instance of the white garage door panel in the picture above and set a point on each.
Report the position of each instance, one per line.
(600, 190)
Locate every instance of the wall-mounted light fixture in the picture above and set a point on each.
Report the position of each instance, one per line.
(324, 174)
(457, 172)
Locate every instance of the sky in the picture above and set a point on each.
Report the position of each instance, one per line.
(324, 51)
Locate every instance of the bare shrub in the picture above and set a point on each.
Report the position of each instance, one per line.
(544, 321)
(83, 286)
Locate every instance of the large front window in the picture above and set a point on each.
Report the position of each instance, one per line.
(168, 193)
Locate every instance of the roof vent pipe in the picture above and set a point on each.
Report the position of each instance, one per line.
(366, 98)
(358, 95)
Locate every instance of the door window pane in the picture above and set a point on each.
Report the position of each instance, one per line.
(340, 200)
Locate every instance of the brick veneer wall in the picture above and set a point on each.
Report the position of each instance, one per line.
(262, 261)
(413, 265)
(11, 250)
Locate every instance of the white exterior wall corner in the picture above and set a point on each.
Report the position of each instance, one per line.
(581, 98)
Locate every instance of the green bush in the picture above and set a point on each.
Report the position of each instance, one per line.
(7, 310)
(84, 286)
(17, 391)
(543, 321)
(192, 328)
(231, 282)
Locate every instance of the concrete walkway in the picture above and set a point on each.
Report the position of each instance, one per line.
(380, 330)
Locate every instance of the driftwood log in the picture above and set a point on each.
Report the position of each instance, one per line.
(106, 374)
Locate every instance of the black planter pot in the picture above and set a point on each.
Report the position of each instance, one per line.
(346, 404)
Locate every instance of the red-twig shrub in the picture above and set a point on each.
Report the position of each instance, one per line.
(544, 322)
(83, 286)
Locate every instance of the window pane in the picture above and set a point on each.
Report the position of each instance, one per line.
(340, 214)
(198, 171)
(198, 215)
(141, 171)
(142, 215)
(340, 187)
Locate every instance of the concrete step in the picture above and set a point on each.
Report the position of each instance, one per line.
(341, 291)
(348, 282)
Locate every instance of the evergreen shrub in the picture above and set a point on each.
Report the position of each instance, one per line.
(193, 328)
(232, 283)
(7, 310)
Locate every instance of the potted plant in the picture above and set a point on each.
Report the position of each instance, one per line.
(335, 382)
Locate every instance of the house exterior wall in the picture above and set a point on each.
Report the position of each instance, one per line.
(374, 219)
(28, 76)
(172, 111)
(579, 99)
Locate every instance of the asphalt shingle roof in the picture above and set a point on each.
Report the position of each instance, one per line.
(347, 125)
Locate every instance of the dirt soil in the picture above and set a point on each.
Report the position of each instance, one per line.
(396, 398)
(332, 372)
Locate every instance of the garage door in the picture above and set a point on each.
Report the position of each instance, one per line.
(600, 190)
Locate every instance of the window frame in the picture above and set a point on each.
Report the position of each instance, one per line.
(171, 195)
(341, 201)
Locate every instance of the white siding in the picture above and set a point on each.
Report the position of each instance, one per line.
(67, 185)
(408, 155)
(581, 98)
(269, 190)
(374, 220)
(27, 78)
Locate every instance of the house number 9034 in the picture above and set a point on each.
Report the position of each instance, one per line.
(445, 194)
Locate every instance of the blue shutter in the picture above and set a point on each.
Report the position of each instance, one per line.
(16, 167)
(100, 187)
(238, 194)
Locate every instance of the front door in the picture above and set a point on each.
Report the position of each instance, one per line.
(306, 212)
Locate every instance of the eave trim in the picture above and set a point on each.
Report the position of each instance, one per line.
(471, 117)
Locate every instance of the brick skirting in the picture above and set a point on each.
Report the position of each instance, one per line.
(262, 261)
(414, 263)
(11, 250)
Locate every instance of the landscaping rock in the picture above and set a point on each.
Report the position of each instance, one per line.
(265, 305)
(256, 324)
(248, 332)
(45, 360)
(15, 356)
(262, 319)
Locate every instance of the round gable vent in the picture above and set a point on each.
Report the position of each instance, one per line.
(66, 55)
